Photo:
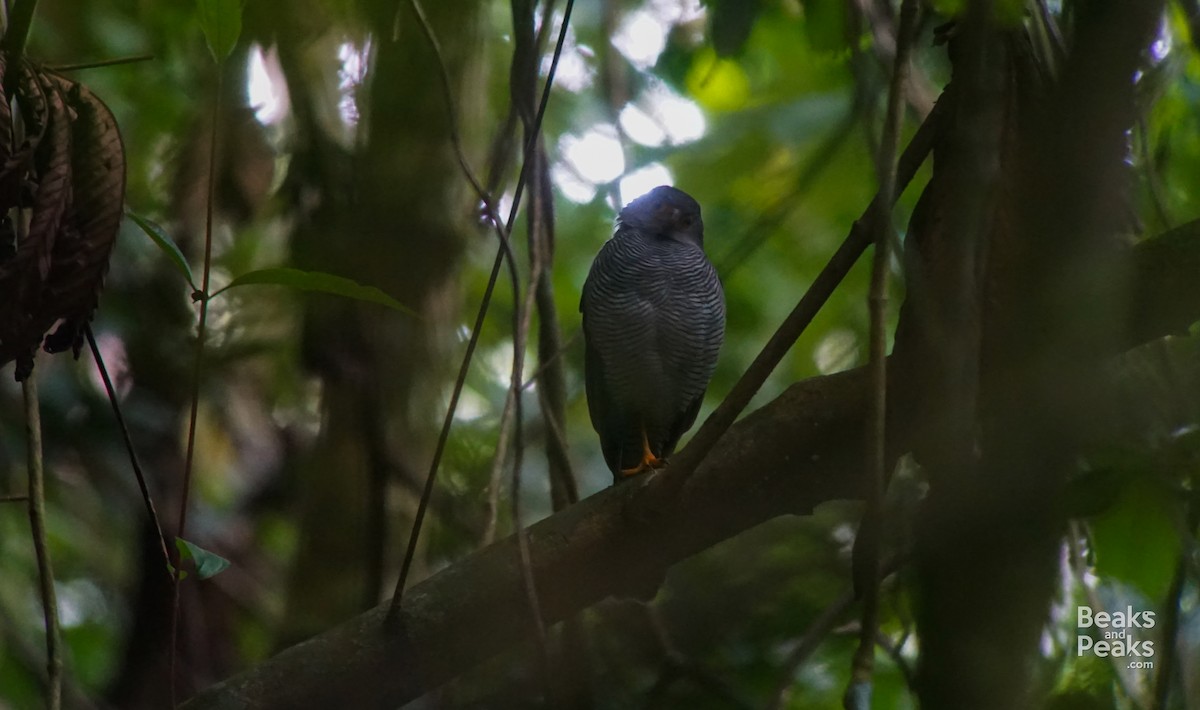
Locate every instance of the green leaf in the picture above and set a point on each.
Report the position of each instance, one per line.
(156, 233)
(208, 564)
(317, 281)
(221, 21)
(1136, 540)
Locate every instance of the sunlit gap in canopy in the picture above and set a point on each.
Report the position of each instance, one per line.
(657, 116)
(643, 180)
(641, 38)
(640, 126)
(642, 34)
(593, 158)
(81, 602)
(496, 367)
(471, 405)
(112, 350)
(1160, 48)
(353, 58)
(596, 155)
(575, 72)
(266, 89)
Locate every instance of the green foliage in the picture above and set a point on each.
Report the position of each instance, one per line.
(208, 564)
(1086, 684)
(168, 247)
(221, 21)
(1137, 540)
(318, 282)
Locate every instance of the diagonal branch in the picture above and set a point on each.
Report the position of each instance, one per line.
(802, 449)
(794, 453)
(485, 302)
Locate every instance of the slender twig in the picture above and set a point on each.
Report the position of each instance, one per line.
(197, 370)
(455, 138)
(526, 311)
(440, 448)
(863, 662)
(523, 317)
(892, 649)
(20, 19)
(552, 396)
(394, 608)
(501, 150)
(14, 498)
(1169, 658)
(769, 220)
(151, 511)
(1052, 31)
(37, 523)
(499, 456)
(510, 412)
(502, 234)
(202, 296)
(706, 680)
(544, 364)
(523, 79)
(809, 642)
(817, 631)
(918, 90)
(25, 654)
(102, 63)
(557, 439)
(677, 666)
(772, 353)
(556, 446)
(16, 34)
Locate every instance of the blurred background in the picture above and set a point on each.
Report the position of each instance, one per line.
(319, 414)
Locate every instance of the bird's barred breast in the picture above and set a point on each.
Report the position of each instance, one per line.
(655, 314)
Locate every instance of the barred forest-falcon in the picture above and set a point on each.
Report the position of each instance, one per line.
(653, 319)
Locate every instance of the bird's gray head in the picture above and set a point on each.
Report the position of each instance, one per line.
(667, 213)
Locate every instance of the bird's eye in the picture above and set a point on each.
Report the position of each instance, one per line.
(685, 221)
(659, 205)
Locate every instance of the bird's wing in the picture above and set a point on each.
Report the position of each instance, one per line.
(603, 411)
(692, 350)
(605, 419)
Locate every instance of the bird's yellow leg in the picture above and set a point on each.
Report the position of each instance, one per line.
(649, 460)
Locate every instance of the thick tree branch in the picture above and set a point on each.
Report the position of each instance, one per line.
(800, 450)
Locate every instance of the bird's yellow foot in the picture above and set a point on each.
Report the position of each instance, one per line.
(649, 460)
